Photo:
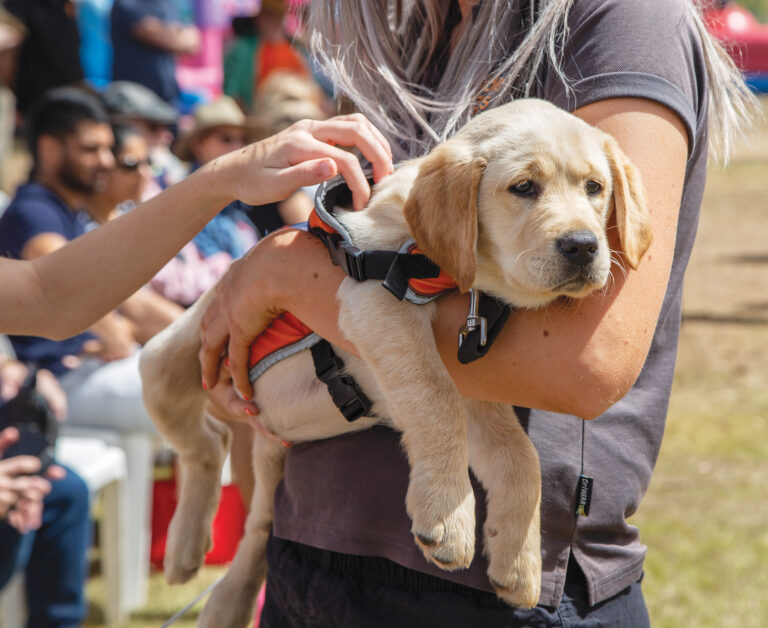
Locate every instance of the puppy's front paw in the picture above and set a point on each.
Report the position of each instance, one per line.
(442, 512)
(516, 578)
(189, 540)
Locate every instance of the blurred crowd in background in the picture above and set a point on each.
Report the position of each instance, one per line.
(191, 78)
(103, 104)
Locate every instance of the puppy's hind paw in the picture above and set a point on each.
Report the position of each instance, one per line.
(185, 552)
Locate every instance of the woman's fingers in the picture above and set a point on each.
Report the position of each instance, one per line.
(356, 130)
(306, 173)
(226, 403)
(214, 335)
(239, 350)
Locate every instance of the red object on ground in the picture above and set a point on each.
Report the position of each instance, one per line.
(228, 524)
(743, 36)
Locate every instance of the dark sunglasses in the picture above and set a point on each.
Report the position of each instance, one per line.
(130, 162)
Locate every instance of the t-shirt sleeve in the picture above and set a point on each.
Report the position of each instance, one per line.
(621, 49)
(22, 223)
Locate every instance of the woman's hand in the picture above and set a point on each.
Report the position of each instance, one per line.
(240, 311)
(245, 300)
(304, 154)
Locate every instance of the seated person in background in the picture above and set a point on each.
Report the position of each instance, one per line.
(260, 46)
(218, 128)
(44, 525)
(70, 140)
(122, 188)
(135, 105)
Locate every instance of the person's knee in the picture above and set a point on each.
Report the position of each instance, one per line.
(69, 498)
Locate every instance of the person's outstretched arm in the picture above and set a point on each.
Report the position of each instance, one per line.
(577, 358)
(60, 294)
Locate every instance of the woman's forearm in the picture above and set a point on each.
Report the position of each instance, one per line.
(107, 265)
(60, 294)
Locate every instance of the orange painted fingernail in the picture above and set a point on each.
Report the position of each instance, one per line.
(226, 362)
(205, 386)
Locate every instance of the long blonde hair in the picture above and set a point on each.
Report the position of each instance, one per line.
(378, 54)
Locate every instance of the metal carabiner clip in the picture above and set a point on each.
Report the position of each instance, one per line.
(474, 320)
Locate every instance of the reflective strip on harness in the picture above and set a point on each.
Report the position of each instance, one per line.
(285, 336)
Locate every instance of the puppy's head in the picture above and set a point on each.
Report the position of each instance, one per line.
(518, 201)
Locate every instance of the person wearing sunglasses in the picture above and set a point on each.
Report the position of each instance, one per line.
(119, 191)
(123, 186)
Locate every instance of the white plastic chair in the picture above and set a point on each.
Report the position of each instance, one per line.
(103, 469)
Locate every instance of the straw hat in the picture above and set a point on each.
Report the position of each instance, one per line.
(223, 111)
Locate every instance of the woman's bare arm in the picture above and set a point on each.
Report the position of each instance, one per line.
(576, 358)
(62, 293)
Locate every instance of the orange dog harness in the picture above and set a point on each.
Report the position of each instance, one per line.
(406, 273)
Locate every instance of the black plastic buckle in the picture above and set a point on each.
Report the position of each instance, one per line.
(356, 404)
(346, 256)
(344, 390)
(355, 260)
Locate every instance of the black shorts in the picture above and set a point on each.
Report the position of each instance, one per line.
(313, 588)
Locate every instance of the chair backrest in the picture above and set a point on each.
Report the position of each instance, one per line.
(6, 349)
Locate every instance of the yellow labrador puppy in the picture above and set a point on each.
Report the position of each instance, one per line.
(514, 205)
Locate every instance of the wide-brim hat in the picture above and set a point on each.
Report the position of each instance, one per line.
(221, 112)
(125, 99)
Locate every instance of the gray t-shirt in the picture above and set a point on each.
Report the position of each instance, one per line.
(347, 494)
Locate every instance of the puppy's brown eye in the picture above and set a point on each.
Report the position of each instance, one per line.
(524, 188)
(593, 188)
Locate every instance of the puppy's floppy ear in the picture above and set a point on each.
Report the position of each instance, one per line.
(441, 210)
(632, 215)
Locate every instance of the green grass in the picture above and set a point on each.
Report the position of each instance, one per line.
(163, 601)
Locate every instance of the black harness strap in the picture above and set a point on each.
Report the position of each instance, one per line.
(344, 390)
(394, 267)
(496, 313)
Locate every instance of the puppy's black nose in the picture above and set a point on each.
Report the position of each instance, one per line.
(579, 247)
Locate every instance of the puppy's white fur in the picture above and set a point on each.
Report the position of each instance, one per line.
(469, 207)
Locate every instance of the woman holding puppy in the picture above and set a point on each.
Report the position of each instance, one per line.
(650, 75)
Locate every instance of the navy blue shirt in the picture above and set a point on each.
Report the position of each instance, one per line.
(136, 61)
(36, 210)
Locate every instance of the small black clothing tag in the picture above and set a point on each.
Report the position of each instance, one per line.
(584, 495)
